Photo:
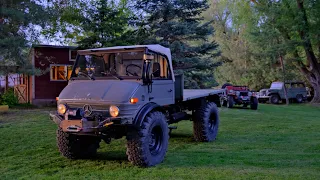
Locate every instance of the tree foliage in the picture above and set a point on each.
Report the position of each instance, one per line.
(273, 31)
(178, 24)
(106, 24)
(91, 23)
(244, 62)
(18, 20)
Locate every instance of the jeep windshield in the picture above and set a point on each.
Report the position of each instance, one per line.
(276, 85)
(124, 65)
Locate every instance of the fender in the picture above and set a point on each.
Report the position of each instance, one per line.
(274, 93)
(143, 113)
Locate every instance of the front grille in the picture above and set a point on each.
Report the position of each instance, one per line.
(263, 93)
(243, 93)
(103, 110)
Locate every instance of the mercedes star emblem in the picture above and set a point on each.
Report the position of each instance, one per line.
(87, 109)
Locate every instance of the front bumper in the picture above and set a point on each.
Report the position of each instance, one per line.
(243, 99)
(83, 125)
(263, 97)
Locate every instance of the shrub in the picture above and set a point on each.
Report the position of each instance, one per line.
(8, 98)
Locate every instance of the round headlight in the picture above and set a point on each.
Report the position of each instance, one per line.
(249, 93)
(238, 93)
(114, 111)
(62, 109)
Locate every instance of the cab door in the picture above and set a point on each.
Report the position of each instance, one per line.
(162, 91)
(290, 90)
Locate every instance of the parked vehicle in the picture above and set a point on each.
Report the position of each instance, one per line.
(130, 91)
(296, 91)
(238, 95)
(262, 96)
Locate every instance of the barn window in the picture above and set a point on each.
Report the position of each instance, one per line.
(72, 55)
(60, 72)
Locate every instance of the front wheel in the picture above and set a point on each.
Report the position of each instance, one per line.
(230, 102)
(206, 123)
(299, 98)
(254, 103)
(274, 99)
(77, 146)
(147, 146)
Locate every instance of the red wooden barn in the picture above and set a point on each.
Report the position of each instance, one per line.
(56, 63)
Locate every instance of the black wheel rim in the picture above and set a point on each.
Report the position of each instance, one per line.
(155, 142)
(299, 98)
(274, 99)
(212, 122)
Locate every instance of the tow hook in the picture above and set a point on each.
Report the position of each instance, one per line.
(108, 124)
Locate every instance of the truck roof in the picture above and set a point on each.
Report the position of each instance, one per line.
(153, 47)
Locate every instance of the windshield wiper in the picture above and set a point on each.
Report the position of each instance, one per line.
(86, 75)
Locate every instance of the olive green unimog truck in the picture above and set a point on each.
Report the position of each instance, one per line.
(130, 91)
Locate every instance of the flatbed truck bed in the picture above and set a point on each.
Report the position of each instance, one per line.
(189, 94)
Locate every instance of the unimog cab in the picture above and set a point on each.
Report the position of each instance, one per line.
(129, 91)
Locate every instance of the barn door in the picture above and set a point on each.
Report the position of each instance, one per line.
(21, 93)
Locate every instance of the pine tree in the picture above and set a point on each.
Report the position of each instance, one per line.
(105, 24)
(178, 24)
(17, 19)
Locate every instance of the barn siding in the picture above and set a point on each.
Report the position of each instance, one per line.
(44, 57)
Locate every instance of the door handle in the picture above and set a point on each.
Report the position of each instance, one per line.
(170, 90)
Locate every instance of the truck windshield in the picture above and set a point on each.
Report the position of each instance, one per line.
(106, 66)
(276, 85)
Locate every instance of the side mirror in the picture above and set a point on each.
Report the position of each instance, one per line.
(146, 75)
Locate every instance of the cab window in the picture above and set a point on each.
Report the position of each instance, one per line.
(160, 67)
(288, 85)
(298, 85)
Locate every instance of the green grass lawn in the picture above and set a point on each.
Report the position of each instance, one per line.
(275, 142)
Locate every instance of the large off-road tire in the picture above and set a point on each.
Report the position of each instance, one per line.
(254, 103)
(299, 98)
(206, 123)
(274, 99)
(230, 102)
(225, 85)
(148, 145)
(77, 146)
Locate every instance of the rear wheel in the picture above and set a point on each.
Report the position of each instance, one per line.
(76, 146)
(299, 98)
(148, 145)
(206, 123)
(254, 103)
(230, 102)
(274, 99)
